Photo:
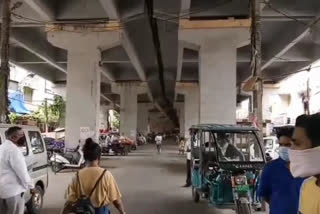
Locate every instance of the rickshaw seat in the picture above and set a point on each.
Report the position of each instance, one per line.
(209, 156)
(196, 153)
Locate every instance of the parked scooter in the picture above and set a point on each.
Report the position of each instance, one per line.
(72, 159)
(141, 140)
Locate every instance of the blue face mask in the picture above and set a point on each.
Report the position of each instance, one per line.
(284, 153)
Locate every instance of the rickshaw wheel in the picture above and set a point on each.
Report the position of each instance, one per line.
(195, 195)
(243, 208)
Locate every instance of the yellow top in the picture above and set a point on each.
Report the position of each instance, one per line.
(106, 192)
(310, 197)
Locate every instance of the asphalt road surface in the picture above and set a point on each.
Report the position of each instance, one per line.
(150, 184)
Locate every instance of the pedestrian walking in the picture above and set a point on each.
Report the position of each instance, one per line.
(181, 145)
(305, 161)
(15, 180)
(158, 140)
(277, 185)
(94, 182)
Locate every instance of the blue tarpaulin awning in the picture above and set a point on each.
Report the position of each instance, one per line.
(17, 104)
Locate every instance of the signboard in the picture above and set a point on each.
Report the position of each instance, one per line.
(132, 133)
(86, 132)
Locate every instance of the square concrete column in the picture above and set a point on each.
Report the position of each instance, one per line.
(104, 116)
(128, 111)
(180, 110)
(143, 117)
(83, 95)
(129, 107)
(218, 94)
(83, 81)
(191, 105)
(217, 71)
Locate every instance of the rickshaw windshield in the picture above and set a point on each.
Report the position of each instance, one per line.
(238, 147)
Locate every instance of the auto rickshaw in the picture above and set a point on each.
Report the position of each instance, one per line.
(226, 164)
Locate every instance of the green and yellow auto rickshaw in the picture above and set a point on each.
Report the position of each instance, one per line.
(226, 164)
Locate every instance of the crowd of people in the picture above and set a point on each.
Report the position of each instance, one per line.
(92, 189)
(289, 184)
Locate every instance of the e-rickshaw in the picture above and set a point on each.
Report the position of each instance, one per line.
(226, 164)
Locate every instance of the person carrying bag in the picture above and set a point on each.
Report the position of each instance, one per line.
(93, 188)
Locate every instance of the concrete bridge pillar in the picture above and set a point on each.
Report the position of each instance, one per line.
(104, 115)
(143, 117)
(180, 110)
(129, 107)
(217, 71)
(191, 105)
(83, 81)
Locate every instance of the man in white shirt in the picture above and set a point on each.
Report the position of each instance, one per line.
(226, 150)
(158, 140)
(187, 149)
(14, 177)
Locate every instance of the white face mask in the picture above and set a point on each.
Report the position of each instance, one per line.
(305, 163)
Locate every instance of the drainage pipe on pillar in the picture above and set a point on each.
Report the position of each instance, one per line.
(255, 12)
(4, 69)
(156, 42)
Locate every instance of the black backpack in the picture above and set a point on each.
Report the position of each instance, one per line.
(83, 205)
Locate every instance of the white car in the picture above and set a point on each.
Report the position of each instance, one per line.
(271, 146)
(37, 163)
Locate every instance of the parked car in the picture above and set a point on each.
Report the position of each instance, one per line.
(37, 162)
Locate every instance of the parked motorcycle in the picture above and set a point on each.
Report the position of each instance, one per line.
(52, 146)
(141, 140)
(106, 148)
(119, 148)
(71, 159)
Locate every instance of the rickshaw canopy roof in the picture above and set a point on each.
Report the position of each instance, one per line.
(223, 128)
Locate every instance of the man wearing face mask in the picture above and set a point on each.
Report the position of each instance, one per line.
(14, 176)
(305, 161)
(277, 186)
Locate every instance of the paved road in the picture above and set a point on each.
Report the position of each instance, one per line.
(150, 184)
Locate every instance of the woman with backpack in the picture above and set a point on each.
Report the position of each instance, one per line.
(93, 188)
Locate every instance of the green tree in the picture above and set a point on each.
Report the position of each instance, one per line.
(55, 112)
(13, 118)
(116, 120)
(58, 109)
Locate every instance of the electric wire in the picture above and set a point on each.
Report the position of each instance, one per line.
(185, 13)
(312, 24)
(189, 12)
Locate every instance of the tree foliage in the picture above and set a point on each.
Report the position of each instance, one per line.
(55, 111)
(116, 120)
(58, 108)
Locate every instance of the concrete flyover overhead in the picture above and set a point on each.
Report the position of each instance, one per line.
(189, 56)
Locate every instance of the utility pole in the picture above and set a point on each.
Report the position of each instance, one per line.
(108, 119)
(255, 11)
(4, 69)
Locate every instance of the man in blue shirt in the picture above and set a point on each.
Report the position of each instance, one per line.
(277, 186)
